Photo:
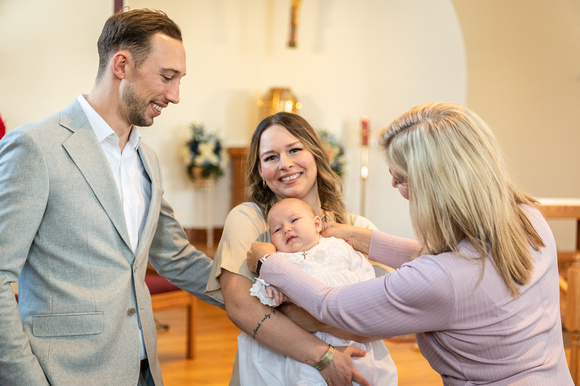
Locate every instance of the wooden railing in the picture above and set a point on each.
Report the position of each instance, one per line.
(569, 274)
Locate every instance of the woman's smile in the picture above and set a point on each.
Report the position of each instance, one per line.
(290, 178)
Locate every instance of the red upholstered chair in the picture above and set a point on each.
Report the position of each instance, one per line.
(165, 295)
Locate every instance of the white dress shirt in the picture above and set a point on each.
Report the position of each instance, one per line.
(132, 181)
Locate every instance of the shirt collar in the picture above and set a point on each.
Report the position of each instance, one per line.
(102, 129)
(135, 138)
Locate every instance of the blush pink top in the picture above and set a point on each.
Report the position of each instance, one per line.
(470, 333)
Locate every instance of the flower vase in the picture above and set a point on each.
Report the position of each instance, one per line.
(199, 181)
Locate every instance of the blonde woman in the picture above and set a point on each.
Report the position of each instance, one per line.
(482, 296)
(285, 159)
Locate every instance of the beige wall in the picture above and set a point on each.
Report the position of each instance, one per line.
(514, 62)
(523, 66)
(353, 59)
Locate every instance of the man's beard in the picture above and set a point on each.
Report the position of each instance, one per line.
(135, 112)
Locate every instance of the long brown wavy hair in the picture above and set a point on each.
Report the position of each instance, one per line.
(329, 183)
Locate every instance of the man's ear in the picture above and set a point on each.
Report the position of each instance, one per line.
(318, 224)
(120, 64)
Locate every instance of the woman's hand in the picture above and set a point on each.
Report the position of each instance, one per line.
(341, 370)
(358, 238)
(257, 250)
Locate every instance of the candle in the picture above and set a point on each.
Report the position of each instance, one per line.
(365, 131)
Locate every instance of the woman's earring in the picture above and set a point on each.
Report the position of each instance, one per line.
(264, 184)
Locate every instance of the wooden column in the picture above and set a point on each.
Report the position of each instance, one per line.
(238, 157)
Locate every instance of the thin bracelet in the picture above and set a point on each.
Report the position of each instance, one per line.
(326, 359)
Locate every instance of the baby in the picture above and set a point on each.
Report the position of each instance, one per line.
(295, 231)
(294, 227)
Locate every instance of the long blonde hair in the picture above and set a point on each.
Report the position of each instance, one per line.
(459, 188)
(329, 183)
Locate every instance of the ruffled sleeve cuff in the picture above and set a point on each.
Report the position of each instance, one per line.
(259, 290)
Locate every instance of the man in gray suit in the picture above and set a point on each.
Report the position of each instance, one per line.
(81, 212)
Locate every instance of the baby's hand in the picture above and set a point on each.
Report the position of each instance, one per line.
(274, 293)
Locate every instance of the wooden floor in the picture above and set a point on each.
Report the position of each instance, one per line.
(216, 349)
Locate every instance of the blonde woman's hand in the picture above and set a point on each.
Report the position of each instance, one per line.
(257, 250)
(358, 238)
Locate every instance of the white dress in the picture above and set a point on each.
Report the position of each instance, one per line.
(335, 263)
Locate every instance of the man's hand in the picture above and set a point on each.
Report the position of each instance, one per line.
(258, 250)
(341, 370)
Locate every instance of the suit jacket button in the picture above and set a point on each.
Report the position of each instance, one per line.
(131, 311)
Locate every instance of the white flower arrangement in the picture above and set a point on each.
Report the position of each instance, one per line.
(334, 151)
(203, 154)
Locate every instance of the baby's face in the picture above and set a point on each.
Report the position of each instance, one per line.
(293, 227)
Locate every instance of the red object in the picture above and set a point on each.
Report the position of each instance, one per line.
(158, 284)
(365, 131)
(2, 128)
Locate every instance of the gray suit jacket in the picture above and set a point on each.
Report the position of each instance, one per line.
(63, 237)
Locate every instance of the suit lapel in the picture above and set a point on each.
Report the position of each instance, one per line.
(85, 151)
(152, 170)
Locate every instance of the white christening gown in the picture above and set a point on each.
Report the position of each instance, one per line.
(335, 263)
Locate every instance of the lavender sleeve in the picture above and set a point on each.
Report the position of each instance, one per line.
(391, 250)
(418, 297)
